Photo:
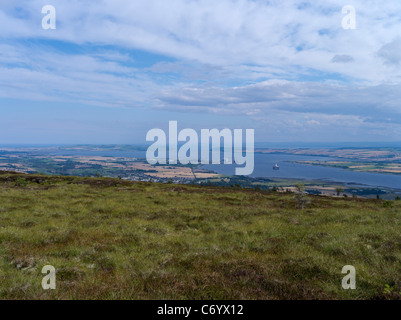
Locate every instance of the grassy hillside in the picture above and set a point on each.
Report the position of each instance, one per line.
(113, 239)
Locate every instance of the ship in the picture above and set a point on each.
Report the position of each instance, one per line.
(276, 167)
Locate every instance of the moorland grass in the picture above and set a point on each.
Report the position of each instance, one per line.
(114, 239)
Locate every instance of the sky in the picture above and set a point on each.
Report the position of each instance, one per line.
(112, 70)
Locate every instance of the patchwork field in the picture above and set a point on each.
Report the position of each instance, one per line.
(115, 239)
(363, 154)
(374, 167)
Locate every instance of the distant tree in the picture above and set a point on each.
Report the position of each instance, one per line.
(301, 197)
(397, 198)
(339, 190)
(378, 197)
(300, 187)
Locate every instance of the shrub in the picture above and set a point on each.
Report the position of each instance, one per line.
(21, 182)
(388, 204)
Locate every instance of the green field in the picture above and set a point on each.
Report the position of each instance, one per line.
(114, 239)
(385, 167)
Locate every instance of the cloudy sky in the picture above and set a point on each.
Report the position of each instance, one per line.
(114, 69)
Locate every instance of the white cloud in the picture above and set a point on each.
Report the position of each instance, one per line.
(225, 33)
(391, 52)
(342, 58)
(267, 60)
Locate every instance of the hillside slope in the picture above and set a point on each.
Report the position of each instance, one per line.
(113, 239)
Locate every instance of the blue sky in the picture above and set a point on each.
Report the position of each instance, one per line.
(112, 70)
